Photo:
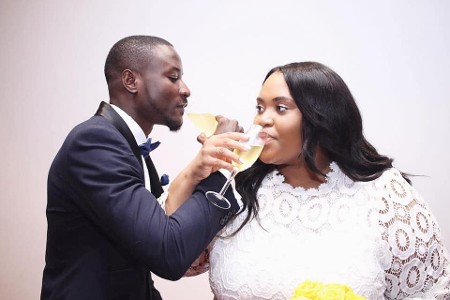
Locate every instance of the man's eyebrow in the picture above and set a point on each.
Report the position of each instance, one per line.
(177, 69)
(174, 68)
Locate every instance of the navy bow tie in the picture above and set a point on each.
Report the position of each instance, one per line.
(148, 147)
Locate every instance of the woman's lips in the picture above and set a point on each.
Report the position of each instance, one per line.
(265, 136)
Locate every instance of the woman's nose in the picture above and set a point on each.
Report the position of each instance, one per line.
(264, 119)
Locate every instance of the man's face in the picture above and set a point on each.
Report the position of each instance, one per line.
(162, 94)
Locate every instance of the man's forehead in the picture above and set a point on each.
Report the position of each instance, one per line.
(165, 56)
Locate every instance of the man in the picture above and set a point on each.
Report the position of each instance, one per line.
(106, 230)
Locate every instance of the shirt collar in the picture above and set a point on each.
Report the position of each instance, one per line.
(134, 127)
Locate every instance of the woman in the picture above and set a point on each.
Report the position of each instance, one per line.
(322, 204)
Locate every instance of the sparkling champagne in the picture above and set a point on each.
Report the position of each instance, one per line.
(248, 157)
(206, 122)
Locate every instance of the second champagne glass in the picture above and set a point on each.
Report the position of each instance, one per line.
(255, 145)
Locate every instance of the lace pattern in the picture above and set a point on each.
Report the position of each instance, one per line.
(378, 237)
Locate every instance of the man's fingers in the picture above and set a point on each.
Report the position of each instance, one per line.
(219, 152)
(226, 125)
(201, 138)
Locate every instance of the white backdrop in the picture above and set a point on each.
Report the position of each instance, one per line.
(394, 55)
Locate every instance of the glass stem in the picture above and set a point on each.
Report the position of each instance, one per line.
(227, 184)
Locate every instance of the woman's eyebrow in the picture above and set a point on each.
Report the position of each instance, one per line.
(276, 99)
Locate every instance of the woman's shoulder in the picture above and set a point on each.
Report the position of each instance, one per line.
(392, 179)
(390, 174)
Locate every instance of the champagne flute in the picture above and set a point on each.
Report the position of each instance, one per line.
(255, 145)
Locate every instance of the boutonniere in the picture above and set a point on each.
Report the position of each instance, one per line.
(314, 290)
(164, 179)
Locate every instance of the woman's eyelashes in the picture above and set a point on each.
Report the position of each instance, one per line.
(259, 108)
(282, 108)
(279, 108)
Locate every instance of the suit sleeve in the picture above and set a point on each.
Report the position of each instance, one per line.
(107, 180)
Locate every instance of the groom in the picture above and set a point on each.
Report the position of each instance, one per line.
(106, 229)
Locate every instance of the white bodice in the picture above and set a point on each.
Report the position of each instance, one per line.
(378, 237)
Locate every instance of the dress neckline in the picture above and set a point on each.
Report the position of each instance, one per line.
(330, 179)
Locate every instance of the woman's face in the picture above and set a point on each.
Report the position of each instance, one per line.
(281, 120)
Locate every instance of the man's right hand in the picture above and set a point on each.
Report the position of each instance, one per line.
(216, 153)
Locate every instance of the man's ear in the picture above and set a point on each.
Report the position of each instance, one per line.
(129, 81)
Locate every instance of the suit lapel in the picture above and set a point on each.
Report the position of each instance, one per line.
(105, 110)
(155, 183)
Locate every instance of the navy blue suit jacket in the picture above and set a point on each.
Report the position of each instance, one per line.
(106, 231)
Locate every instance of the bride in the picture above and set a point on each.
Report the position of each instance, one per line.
(322, 204)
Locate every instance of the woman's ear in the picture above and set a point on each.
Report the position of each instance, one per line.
(129, 80)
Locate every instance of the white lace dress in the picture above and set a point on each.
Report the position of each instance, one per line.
(379, 238)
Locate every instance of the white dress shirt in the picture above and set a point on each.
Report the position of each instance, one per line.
(140, 138)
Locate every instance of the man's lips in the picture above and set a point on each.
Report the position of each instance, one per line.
(182, 106)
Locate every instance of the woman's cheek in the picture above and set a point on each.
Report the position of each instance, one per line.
(268, 155)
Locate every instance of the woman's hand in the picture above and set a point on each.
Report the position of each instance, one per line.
(223, 125)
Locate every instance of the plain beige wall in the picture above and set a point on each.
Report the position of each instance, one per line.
(394, 55)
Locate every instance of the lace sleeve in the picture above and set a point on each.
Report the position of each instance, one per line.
(162, 200)
(420, 263)
(200, 265)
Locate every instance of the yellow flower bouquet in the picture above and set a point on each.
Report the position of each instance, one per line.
(313, 290)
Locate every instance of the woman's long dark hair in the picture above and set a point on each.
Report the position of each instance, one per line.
(331, 120)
